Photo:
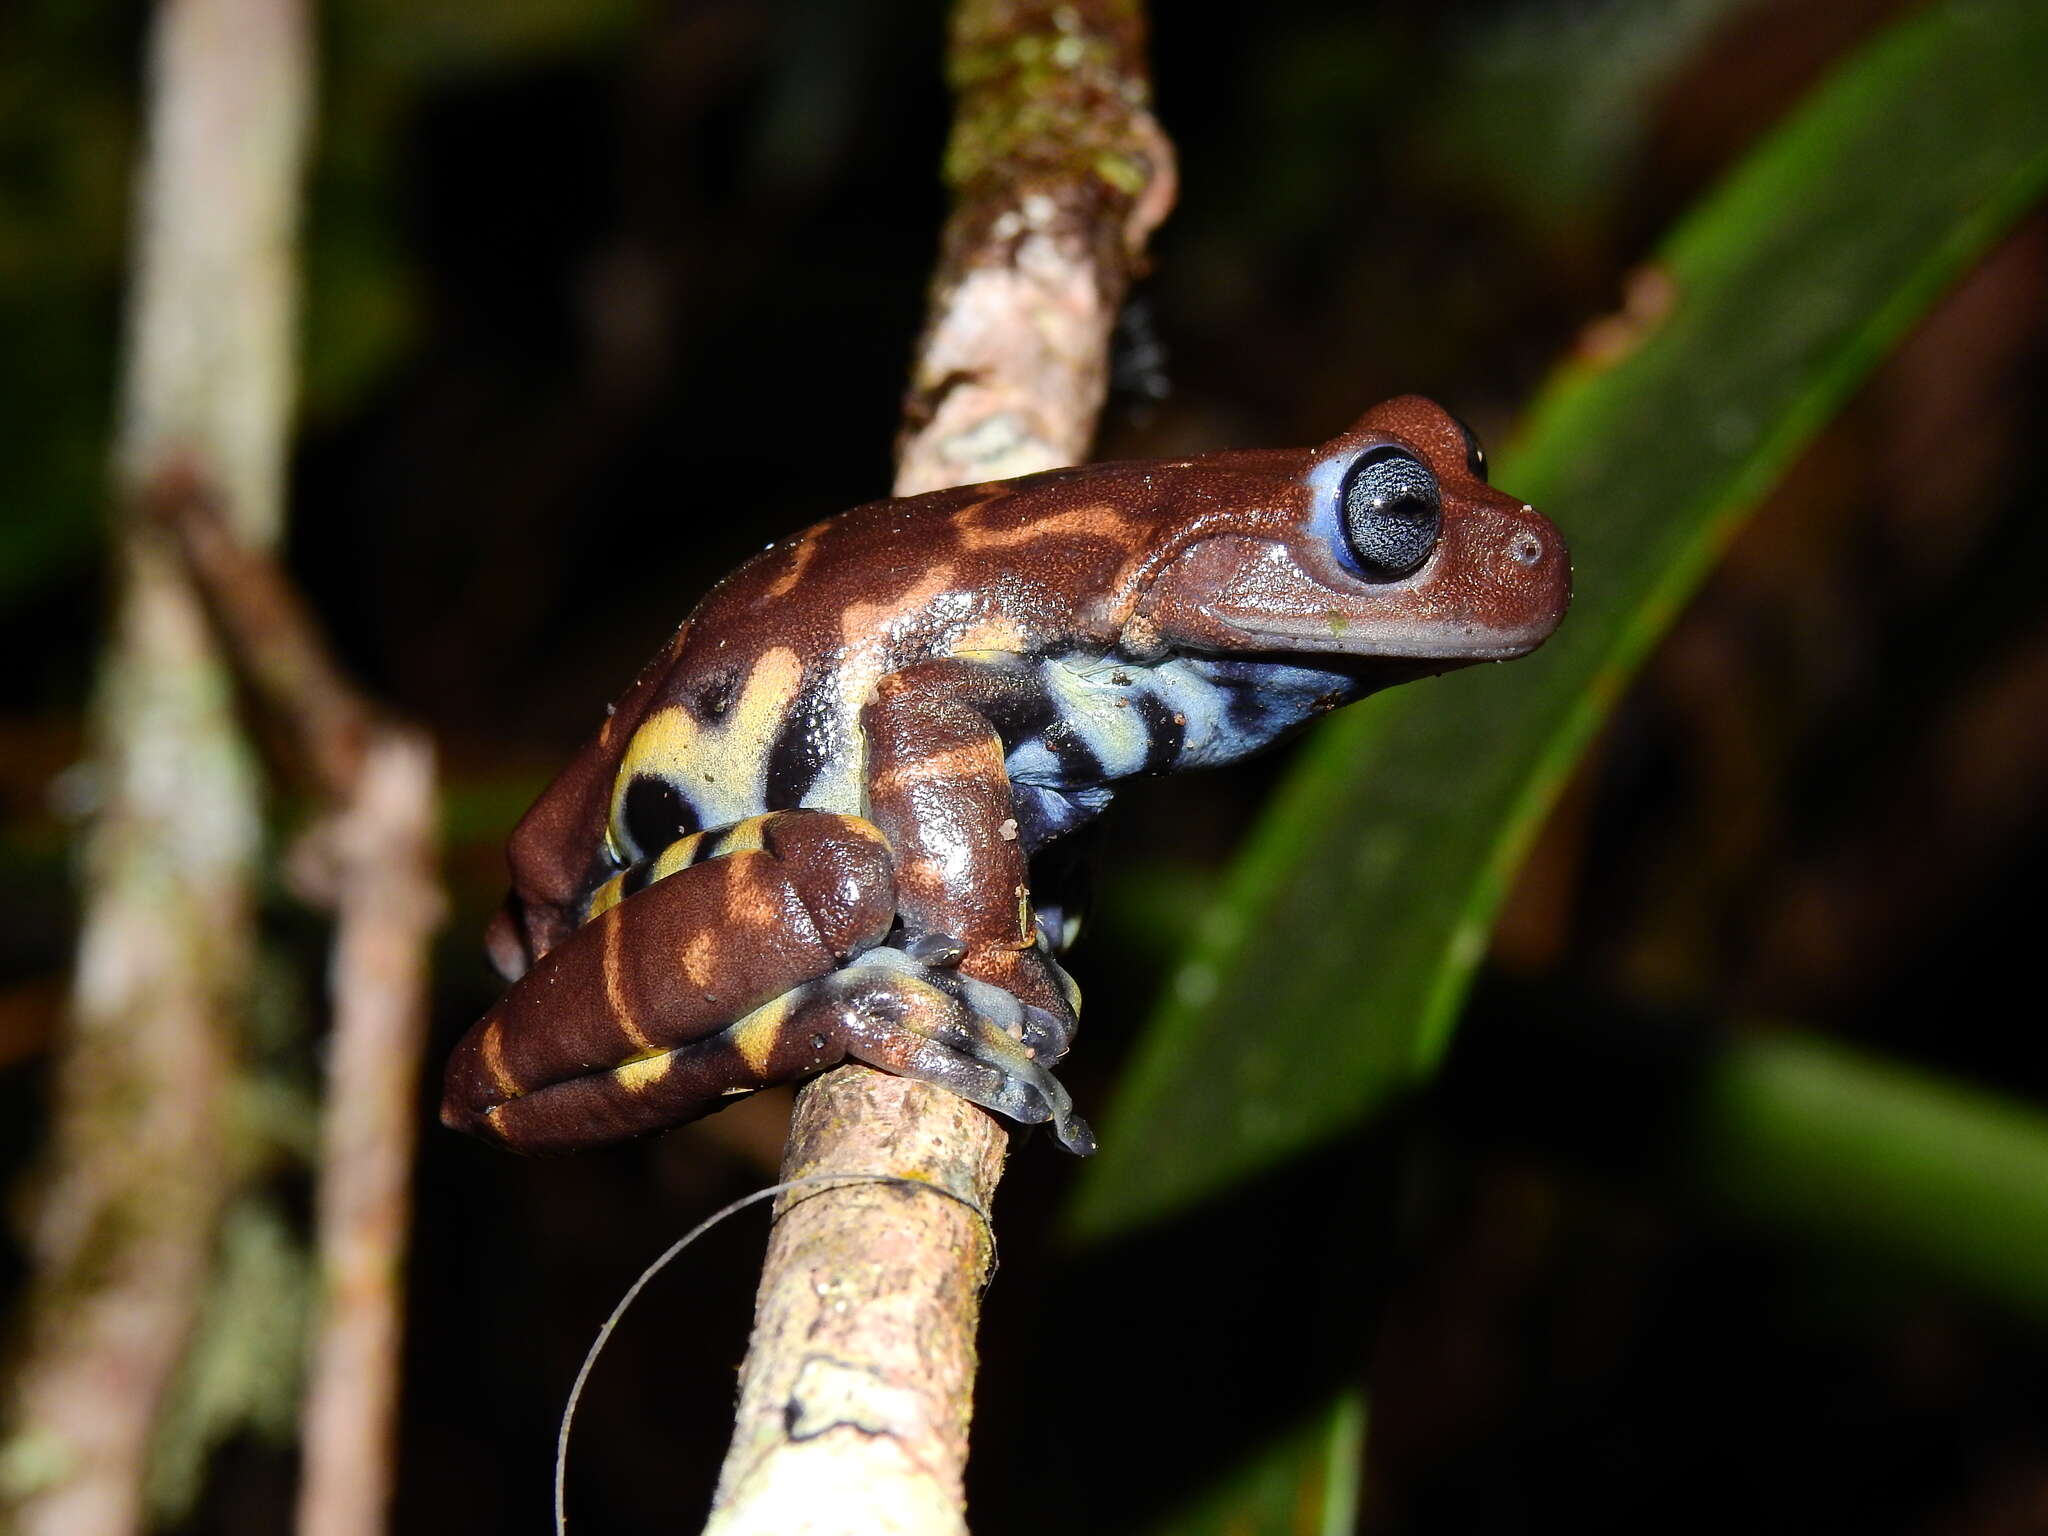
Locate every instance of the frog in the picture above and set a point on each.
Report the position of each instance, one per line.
(807, 832)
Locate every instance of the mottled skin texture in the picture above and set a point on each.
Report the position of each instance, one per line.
(805, 832)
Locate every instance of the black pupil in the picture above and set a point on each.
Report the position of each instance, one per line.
(1392, 512)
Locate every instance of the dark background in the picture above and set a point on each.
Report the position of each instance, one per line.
(600, 298)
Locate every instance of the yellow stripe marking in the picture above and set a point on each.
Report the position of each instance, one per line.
(994, 637)
(639, 1076)
(864, 626)
(615, 987)
(491, 1047)
(678, 855)
(800, 558)
(699, 959)
(1098, 522)
(755, 1035)
(607, 896)
(975, 760)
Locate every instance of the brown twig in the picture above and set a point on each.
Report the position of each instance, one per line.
(858, 1382)
(302, 700)
(140, 1160)
(371, 858)
(1059, 177)
(378, 849)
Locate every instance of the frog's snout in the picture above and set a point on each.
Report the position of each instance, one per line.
(1532, 563)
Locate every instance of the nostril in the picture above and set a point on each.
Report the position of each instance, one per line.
(1525, 549)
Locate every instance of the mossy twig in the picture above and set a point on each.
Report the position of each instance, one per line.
(858, 1384)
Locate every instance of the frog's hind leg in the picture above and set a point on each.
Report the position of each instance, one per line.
(777, 902)
(885, 1008)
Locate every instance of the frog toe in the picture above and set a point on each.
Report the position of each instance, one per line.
(1042, 1033)
(978, 1037)
(936, 949)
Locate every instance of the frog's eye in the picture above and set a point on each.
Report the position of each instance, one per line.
(1475, 456)
(1392, 512)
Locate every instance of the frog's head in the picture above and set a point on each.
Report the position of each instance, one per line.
(1385, 545)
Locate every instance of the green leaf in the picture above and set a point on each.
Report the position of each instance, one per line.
(1829, 1145)
(1305, 1483)
(1328, 976)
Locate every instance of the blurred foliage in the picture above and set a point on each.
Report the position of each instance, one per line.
(1409, 814)
(1305, 1485)
(67, 123)
(245, 1366)
(1877, 1159)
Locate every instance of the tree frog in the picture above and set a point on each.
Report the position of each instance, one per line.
(806, 832)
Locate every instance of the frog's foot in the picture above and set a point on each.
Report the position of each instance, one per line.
(948, 1029)
(884, 1009)
(1044, 1033)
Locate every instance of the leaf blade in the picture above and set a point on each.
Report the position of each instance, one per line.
(1278, 1029)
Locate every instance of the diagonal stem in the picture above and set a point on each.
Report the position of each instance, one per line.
(857, 1389)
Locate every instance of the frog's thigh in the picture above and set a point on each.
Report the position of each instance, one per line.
(938, 789)
(674, 962)
(885, 1009)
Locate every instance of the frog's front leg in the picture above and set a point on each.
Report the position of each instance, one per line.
(938, 788)
(723, 976)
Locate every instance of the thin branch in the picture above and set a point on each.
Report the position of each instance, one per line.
(302, 699)
(371, 857)
(856, 1393)
(140, 1160)
(379, 852)
(1059, 177)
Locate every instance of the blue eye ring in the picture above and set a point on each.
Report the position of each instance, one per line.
(1393, 512)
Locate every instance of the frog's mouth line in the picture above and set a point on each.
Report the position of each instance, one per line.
(1429, 649)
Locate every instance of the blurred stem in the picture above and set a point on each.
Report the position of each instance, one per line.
(141, 1161)
(1810, 1137)
(1792, 1131)
(376, 857)
(370, 856)
(1059, 176)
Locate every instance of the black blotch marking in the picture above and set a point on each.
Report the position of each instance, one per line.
(1077, 760)
(1026, 713)
(1045, 815)
(637, 878)
(798, 753)
(715, 694)
(1244, 707)
(1020, 714)
(1029, 713)
(1039, 814)
(1165, 733)
(656, 814)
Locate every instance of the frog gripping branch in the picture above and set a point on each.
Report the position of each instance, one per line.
(805, 833)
